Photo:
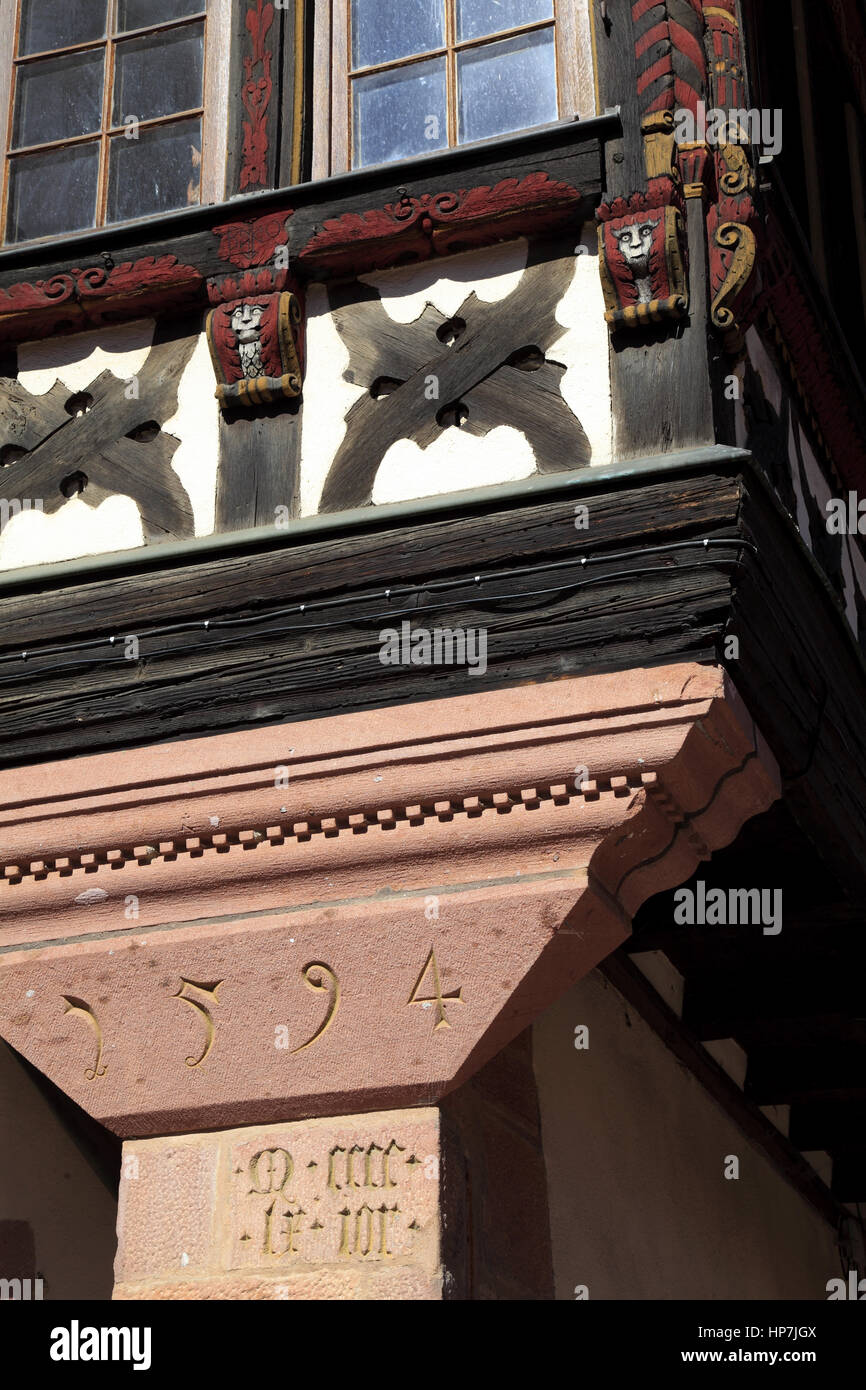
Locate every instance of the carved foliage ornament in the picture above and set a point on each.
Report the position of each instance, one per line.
(81, 298)
(731, 226)
(255, 346)
(256, 95)
(254, 242)
(421, 226)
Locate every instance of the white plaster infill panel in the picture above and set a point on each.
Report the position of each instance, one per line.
(196, 424)
(491, 272)
(457, 460)
(76, 529)
(328, 398)
(80, 358)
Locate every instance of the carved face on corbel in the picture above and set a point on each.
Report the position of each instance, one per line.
(636, 244)
(642, 262)
(255, 349)
(246, 324)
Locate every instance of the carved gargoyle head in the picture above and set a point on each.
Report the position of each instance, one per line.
(636, 244)
(246, 322)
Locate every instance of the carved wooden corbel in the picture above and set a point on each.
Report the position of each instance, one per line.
(642, 239)
(642, 261)
(255, 330)
(255, 345)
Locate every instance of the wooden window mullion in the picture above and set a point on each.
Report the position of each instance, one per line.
(107, 103)
(451, 70)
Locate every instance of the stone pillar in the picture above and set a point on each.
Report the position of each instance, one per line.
(342, 1208)
(425, 1203)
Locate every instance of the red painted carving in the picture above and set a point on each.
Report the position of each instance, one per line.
(255, 344)
(695, 166)
(247, 244)
(434, 223)
(732, 230)
(82, 298)
(256, 96)
(684, 47)
(642, 256)
(668, 45)
(811, 355)
(266, 281)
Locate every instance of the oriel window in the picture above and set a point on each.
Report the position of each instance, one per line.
(411, 76)
(106, 109)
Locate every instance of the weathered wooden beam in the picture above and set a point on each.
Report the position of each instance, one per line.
(509, 187)
(259, 663)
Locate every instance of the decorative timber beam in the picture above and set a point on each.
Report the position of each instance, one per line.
(517, 185)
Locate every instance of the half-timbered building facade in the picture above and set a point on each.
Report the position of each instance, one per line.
(432, 629)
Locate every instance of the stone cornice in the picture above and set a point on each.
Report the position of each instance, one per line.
(452, 828)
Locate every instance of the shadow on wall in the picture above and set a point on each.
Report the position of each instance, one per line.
(58, 1209)
(635, 1150)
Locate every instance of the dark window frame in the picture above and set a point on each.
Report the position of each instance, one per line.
(212, 111)
(332, 80)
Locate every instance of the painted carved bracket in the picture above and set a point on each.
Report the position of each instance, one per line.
(255, 344)
(642, 256)
(255, 331)
(732, 221)
(642, 239)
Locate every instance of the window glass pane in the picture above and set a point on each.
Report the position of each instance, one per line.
(157, 75)
(475, 18)
(506, 86)
(141, 14)
(400, 113)
(47, 24)
(58, 97)
(158, 171)
(386, 29)
(52, 193)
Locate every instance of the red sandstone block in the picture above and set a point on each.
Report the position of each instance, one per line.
(168, 1217)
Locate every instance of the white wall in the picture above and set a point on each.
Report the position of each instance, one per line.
(635, 1151)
